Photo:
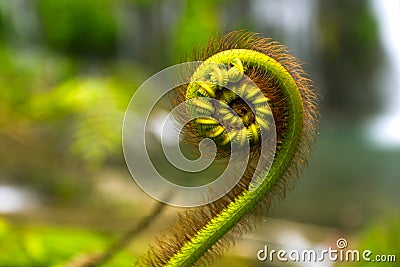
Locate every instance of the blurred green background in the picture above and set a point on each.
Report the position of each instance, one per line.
(68, 69)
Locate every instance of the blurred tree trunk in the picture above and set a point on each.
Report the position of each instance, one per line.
(350, 57)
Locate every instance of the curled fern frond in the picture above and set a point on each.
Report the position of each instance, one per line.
(205, 232)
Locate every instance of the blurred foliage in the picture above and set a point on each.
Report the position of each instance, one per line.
(1, 25)
(82, 27)
(51, 246)
(14, 80)
(381, 237)
(353, 38)
(97, 108)
(145, 3)
(56, 128)
(198, 22)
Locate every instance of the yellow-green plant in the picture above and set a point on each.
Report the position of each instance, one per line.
(204, 232)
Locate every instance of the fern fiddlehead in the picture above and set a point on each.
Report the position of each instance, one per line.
(202, 233)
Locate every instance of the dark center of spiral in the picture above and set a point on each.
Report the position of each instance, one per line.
(242, 109)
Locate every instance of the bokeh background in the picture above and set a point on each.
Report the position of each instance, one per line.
(69, 67)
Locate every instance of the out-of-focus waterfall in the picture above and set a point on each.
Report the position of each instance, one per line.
(385, 129)
(295, 20)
